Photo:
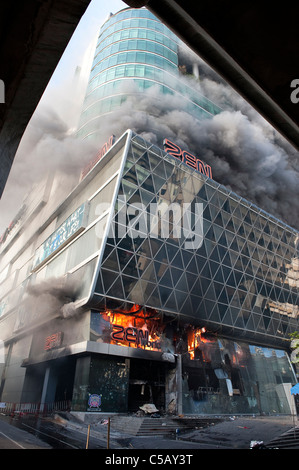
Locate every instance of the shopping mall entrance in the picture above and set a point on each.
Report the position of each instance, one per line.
(147, 383)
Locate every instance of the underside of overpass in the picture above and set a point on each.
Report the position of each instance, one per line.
(33, 37)
(252, 45)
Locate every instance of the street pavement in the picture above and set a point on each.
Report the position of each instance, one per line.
(13, 438)
(65, 432)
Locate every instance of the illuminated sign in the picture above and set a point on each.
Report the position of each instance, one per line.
(72, 226)
(138, 336)
(53, 341)
(104, 149)
(187, 158)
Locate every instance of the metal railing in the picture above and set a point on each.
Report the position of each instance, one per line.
(44, 409)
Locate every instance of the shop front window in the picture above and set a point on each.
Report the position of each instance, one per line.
(228, 377)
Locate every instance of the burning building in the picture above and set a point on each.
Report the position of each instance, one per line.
(135, 315)
(150, 282)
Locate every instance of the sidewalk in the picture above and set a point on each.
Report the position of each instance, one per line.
(231, 433)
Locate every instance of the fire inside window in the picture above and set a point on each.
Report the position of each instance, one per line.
(135, 332)
(196, 340)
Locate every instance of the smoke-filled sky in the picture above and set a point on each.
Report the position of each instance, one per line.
(246, 154)
(48, 142)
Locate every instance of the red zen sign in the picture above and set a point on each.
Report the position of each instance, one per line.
(137, 336)
(187, 158)
(53, 341)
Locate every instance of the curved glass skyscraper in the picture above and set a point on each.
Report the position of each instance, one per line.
(135, 51)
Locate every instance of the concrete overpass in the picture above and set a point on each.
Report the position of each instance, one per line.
(252, 45)
(33, 37)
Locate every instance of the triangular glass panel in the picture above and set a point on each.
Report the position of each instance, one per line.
(187, 307)
(99, 289)
(239, 323)
(169, 170)
(202, 193)
(148, 184)
(171, 252)
(222, 310)
(116, 290)
(159, 250)
(131, 267)
(226, 206)
(144, 161)
(158, 182)
(226, 260)
(222, 297)
(250, 324)
(135, 199)
(128, 189)
(214, 315)
(191, 279)
(160, 170)
(126, 243)
(210, 293)
(141, 173)
(154, 159)
(177, 261)
(196, 289)
(180, 299)
(207, 214)
(111, 262)
(214, 256)
(227, 318)
(164, 293)
(146, 197)
(131, 176)
(144, 248)
(210, 234)
(147, 288)
(160, 269)
(205, 271)
(171, 303)
(192, 266)
(219, 276)
(130, 155)
(166, 279)
(136, 294)
(108, 278)
(176, 274)
(154, 299)
(182, 284)
(128, 284)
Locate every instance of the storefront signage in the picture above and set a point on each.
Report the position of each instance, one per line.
(73, 225)
(104, 149)
(53, 341)
(187, 158)
(138, 336)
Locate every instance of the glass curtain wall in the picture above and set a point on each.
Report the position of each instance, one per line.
(135, 47)
(239, 280)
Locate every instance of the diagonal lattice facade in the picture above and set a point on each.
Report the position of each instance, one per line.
(241, 280)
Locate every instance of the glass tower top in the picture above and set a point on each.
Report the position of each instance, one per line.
(135, 51)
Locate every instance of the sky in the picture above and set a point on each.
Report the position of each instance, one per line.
(58, 100)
